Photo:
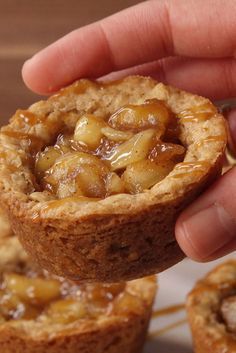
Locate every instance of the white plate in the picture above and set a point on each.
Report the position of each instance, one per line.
(169, 333)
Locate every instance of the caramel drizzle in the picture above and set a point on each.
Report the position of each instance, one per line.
(78, 87)
(162, 331)
(27, 117)
(81, 86)
(163, 312)
(58, 203)
(34, 141)
(187, 168)
(33, 144)
(168, 310)
(54, 204)
(216, 138)
(198, 113)
(196, 118)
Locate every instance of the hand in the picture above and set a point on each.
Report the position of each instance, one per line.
(186, 43)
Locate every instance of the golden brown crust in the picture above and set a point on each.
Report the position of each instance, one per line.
(123, 236)
(5, 228)
(114, 333)
(209, 331)
(127, 337)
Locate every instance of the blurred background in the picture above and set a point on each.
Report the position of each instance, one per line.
(28, 26)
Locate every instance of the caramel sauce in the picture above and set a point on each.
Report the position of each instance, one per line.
(192, 165)
(198, 113)
(163, 312)
(138, 117)
(105, 148)
(193, 168)
(216, 138)
(58, 203)
(163, 152)
(25, 118)
(50, 205)
(194, 118)
(162, 331)
(81, 86)
(78, 87)
(29, 118)
(168, 310)
(34, 142)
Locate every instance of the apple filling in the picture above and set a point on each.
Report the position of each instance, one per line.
(228, 311)
(127, 152)
(37, 296)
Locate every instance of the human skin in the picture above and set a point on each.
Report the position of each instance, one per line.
(186, 43)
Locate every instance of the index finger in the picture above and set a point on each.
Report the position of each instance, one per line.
(146, 32)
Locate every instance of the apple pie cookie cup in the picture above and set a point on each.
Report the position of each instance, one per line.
(211, 308)
(129, 231)
(42, 313)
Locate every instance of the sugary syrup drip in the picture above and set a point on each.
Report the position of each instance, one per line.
(164, 312)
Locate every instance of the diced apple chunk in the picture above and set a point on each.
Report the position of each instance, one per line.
(46, 159)
(66, 310)
(32, 290)
(78, 173)
(88, 130)
(116, 135)
(165, 151)
(133, 150)
(127, 303)
(144, 174)
(114, 184)
(152, 114)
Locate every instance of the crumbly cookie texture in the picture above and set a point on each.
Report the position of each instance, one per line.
(211, 310)
(123, 236)
(80, 319)
(5, 227)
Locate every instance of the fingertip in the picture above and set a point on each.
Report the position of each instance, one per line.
(37, 76)
(25, 72)
(29, 74)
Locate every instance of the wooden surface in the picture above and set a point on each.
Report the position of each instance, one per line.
(27, 26)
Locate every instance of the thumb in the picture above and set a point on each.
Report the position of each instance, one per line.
(206, 230)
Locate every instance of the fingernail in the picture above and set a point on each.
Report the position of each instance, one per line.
(208, 231)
